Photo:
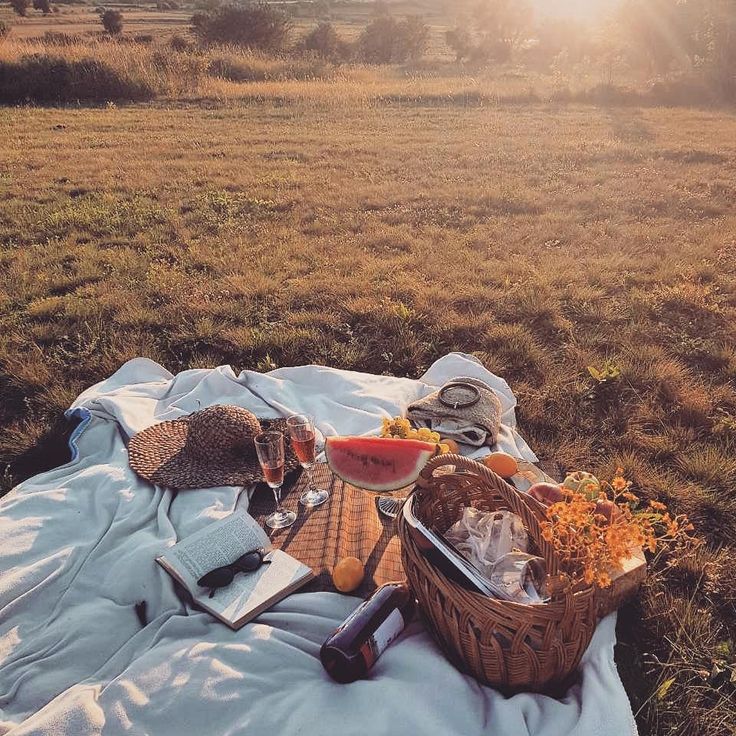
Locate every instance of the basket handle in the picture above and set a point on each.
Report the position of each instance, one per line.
(513, 498)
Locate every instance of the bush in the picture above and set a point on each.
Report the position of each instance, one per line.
(19, 6)
(57, 38)
(385, 40)
(112, 21)
(254, 68)
(254, 26)
(43, 5)
(460, 41)
(4, 29)
(325, 42)
(54, 79)
(180, 43)
(143, 38)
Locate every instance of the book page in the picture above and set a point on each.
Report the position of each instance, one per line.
(250, 592)
(218, 544)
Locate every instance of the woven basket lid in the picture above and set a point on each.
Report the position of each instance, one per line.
(211, 447)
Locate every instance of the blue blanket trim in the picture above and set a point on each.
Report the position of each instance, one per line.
(85, 417)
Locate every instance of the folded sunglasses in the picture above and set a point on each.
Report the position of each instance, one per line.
(221, 577)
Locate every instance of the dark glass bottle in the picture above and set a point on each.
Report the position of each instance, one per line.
(353, 648)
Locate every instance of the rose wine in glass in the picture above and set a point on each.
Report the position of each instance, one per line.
(303, 434)
(270, 451)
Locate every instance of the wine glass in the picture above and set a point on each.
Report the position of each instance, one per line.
(270, 451)
(303, 435)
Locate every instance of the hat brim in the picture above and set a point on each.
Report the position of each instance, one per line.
(159, 455)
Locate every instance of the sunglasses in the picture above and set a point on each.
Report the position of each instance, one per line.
(221, 577)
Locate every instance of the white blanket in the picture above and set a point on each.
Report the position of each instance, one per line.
(77, 549)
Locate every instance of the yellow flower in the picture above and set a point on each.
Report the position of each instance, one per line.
(657, 506)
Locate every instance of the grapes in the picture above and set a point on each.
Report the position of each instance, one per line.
(400, 427)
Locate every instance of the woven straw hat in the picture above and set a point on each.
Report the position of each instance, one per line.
(211, 447)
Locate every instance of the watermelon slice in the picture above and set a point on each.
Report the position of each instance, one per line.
(378, 463)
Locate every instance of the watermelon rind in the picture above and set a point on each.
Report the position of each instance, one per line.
(341, 450)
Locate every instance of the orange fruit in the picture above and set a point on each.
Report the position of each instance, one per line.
(501, 464)
(451, 445)
(348, 574)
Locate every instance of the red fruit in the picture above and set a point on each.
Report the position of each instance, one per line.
(546, 493)
(607, 509)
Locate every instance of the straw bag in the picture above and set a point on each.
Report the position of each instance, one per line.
(508, 645)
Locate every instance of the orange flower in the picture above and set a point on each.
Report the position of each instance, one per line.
(591, 545)
(619, 483)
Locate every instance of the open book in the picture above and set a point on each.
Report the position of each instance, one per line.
(220, 544)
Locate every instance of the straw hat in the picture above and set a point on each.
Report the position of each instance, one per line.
(211, 447)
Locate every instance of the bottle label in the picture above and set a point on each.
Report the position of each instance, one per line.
(383, 636)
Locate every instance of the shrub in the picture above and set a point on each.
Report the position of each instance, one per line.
(19, 6)
(4, 29)
(43, 5)
(385, 40)
(57, 38)
(254, 26)
(411, 38)
(460, 41)
(180, 43)
(253, 68)
(143, 38)
(112, 21)
(54, 79)
(325, 41)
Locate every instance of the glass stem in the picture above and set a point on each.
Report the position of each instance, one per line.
(310, 477)
(277, 496)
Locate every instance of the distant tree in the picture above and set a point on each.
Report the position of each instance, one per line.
(493, 31)
(501, 25)
(412, 36)
(660, 33)
(43, 5)
(20, 6)
(385, 40)
(325, 41)
(258, 26)
(460, 40)
(112, 21)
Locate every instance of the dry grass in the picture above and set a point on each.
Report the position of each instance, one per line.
(232, 75)
(379, 236)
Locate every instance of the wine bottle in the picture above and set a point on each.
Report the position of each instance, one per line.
(353, 648)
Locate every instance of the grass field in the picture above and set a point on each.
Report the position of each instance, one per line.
(378, 237)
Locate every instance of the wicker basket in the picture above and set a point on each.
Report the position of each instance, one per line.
(510, 646)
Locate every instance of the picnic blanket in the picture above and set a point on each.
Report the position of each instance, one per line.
(77, 549)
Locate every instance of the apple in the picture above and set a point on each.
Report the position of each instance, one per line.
(607, 509)
(583, 482)
(546, 493)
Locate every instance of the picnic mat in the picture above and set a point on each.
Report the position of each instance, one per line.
(346, 525)
(77, 550)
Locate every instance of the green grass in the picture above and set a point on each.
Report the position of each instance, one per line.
(376, 235)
